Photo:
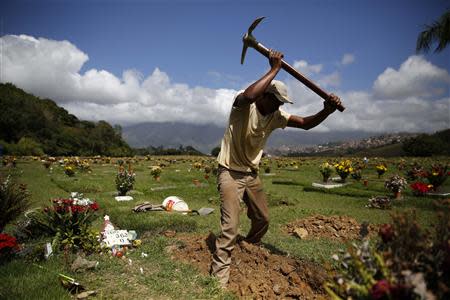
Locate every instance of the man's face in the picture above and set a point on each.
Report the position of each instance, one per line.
(272, 102)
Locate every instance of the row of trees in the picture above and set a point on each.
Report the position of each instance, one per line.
(428, 144)
(181, 150)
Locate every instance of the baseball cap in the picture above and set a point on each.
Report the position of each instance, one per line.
(279, 90)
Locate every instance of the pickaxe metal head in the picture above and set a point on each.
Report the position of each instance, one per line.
(248, 39)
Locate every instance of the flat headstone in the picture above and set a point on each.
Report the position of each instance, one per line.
(116, 237)
(443, 194)
(123, 198)
(134, 192)
(160, 188)
(329, 185)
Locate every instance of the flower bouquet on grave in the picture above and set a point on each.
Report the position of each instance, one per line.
(69, 170)
(156, 172)
(326, 169)
(420, 188)
(381, 169)
(343, 169)
(437, 175)
(207, 169)
(8, 247)
(395, 184)
(125, 180)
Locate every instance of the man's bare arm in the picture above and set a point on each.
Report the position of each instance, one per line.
(314, 120)
(257, 89)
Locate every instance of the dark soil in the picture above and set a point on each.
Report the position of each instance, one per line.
(256, 272)
(340, 228)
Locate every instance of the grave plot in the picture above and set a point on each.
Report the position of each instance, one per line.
(331, 227)
(255, 271)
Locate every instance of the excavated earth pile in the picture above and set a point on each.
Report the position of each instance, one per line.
(256, 272)
(340, 228)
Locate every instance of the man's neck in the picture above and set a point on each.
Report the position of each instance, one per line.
(261, 108)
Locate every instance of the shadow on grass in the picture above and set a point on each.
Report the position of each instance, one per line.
(153, 222)
(342, 191)
(74, 184)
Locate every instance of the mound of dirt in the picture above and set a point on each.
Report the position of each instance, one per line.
(256, 272)
(340, 228)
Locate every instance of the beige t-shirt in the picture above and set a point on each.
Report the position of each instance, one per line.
(246, 135)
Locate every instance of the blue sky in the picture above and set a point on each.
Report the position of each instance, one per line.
(194, 47)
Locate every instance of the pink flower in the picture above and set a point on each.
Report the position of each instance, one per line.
(7, 242)
(380, 289)
(94, 206)
(386, 233)
(420, 188)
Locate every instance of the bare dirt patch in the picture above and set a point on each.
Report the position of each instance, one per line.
(256, 272)
(340, 228)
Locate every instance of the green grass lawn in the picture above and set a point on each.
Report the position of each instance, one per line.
(290, 193)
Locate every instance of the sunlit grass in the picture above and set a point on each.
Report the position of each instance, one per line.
(290, 195)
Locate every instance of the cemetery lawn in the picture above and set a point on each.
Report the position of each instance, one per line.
(148, 272)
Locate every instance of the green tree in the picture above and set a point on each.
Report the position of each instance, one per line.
(424, 145)
(215, 151)
(30, 125)
(438, 32)
(27, 146)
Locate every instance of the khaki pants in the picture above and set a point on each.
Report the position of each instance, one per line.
(234, 186)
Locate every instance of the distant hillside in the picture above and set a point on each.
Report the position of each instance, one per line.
(173, 135)
(33, 126)
(428, 144)
(206, 137)
(386, 145)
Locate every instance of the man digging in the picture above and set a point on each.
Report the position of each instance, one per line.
(254, 115)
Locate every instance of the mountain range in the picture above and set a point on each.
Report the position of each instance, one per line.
(205, 137)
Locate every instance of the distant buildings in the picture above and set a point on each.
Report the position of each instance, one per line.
(343, 146)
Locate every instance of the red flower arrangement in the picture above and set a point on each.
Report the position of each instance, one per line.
(380, 290)
(61, 205)
(420, 188)
(437, 175)
(8, 245)
(386, 232)
(69, 221)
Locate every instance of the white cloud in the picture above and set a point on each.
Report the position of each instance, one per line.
(307, 69)
(51, 69)
(399, 100)
(365, 111)
(332, 80)
(416, 78)
(347, 59)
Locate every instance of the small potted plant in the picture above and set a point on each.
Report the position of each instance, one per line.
(343, 169)
(69, 170)
(156, 172)
(125, 180)
(326, 169)
(381, 169)
(356, 175)
(395, 184)
(207, 171)
(420, 188)
(437, 175)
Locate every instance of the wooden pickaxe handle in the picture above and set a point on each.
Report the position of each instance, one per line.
(288, 68)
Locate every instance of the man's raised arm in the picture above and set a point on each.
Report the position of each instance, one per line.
(258, 88)
(312, 121)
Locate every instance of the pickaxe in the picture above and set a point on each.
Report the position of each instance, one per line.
(250, 41)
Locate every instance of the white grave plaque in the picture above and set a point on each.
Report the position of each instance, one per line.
(117, 237)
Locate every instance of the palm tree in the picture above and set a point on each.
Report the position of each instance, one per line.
(438, 32)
